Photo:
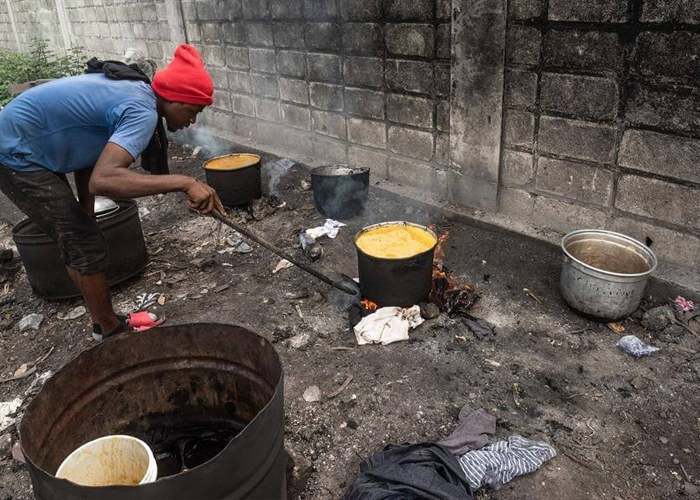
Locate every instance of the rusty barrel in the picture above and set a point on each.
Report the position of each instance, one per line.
(177, 376)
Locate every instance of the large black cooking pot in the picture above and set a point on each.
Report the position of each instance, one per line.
(186, 376)
(340, 191)
(395, 282)
(46, 272)
(235, 186)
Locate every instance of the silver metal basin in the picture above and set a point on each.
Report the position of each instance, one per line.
(604, 273)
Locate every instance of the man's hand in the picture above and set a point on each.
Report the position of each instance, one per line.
(202, 197)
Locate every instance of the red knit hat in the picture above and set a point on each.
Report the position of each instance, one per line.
(185, 79)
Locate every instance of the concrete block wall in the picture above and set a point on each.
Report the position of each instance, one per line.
(7, 37)
(34, 18)
(359, 81)
(602, 120)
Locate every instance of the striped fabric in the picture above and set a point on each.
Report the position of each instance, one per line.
(496, 464)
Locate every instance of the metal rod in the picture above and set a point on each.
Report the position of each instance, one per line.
(262, 242)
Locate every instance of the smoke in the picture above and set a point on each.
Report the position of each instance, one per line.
(274, 172)
(210, 145)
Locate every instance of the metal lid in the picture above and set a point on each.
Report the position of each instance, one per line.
(105, 206)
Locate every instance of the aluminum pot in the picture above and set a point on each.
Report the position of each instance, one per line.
(184, 376)
(604, 274)
(46, 272)
(395, 282)
(340, 191)
(238, 186)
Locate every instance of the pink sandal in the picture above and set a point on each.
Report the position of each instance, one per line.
(139, 321)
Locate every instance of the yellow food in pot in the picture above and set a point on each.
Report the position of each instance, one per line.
(232, 162)
(395, 242)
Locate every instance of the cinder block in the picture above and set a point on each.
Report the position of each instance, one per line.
(525, 9)
(444, 41)
(575, 180)
(580, 96)
(245, 127)
(673, 108)
(328, 97)
(672, 12)
(442, 149)
(231, 10)
(256, 9)
(219, 77)
(206, 10)
(409, 10)
(411, 143)
(267, 110)
(222, 100)
(410, 39)
(444, 10)
(237, 58)
(565, 217)
(296, 91)
(325, 68)
(410, 173)
(668, 54)
(330, 124)
(363, 71)
(322, 36)
(519, 129)
(363, 39)
(671, 246)
(442, 120)
(264, 85)
(518, 168)
(260, 34)
(521, 89)
(579, 49)
(588, 11)
(658, 200)
(286, 9)
(664, 154)
(410, 76)
(367, 132)
(239, 81)
(296, 116)
(289, 35)
(362, 10)
(443, 75)
(290, 63)
(416, 111)
(328, 150)
(321, 9)
(213, 55)
(234, 33)
(374, 160)
(523, 45)
(576, 139)
(262, 60)
(363, 102)
(299, 142)
(243, 105)
(271, 134)
(516, 202)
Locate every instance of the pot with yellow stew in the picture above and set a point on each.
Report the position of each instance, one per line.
(235, 177)
(395, 262)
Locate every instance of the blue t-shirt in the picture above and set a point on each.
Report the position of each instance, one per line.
(64, 125)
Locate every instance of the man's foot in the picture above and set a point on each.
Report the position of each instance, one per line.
(134, 322)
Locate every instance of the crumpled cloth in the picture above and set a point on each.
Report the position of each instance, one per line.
(330, 229)
(410, 472)
(387, 325)
(684, 304)
(632, 345)
(472, 432)
(496, 464)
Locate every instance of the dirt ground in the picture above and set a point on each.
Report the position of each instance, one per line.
(623, 428)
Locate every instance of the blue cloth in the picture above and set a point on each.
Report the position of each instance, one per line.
(64, 125)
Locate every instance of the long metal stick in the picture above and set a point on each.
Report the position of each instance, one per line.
(262, 242)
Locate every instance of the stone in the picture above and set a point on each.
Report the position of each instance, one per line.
(296, 91)
(523, 45)
(364, 102)
(325, 68)
(237, 58)
(5, 446)
(303, 341)
(286, 9)
(410, 173)
(31, 322)
(581, 96)
(663, 154)
(364, 39)
(313, 394)
(519, 128)
(327, 97)
(260, 34)
(296, 116)
(363, 71)
(690, 489)
(409, 76)
(658, 318)
(322, 37)
(320, 9)
(575, 180)
(362, 10)
(577, 139)
(676, 12)
(410, 39)
(415, 111)
(518, 168)
(428, 310)
(639, 383)
(579, 49)
(367, 132)
(239, 81)
(563, 216)
(288, 35)
(267, 110)
(375, 161)
(411, 143)
(443, 41)
(674, 109)
(588, 11)
(291, 63)
(663, 440)
(653, 52)
(262, 60)
(329, 150)
(327, 123)
(521, 89)
(409, 10)
(264, 85)
(525, 9)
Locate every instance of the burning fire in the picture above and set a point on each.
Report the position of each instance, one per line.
(369, 305)
(445, 293)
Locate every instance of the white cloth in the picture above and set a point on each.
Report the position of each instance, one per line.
(387, 325)
(330, 229)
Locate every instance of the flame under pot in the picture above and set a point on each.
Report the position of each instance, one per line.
(401, 282)
(235, 177)
(340, 191)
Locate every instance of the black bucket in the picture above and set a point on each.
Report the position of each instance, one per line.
(46, 272)
(237, 186)
(340, 191)
(187, 376)
(395, 282)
